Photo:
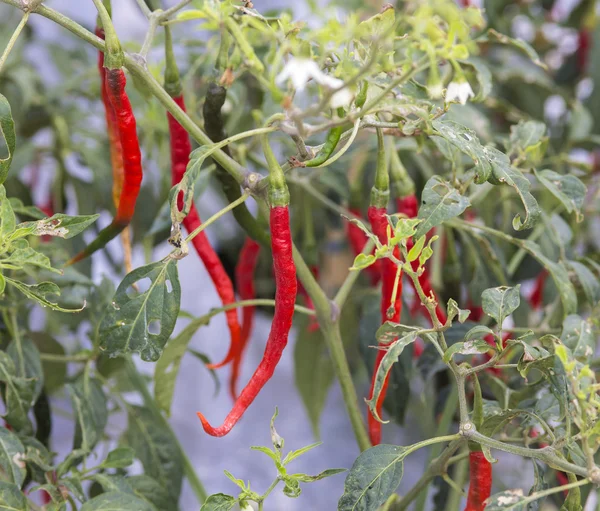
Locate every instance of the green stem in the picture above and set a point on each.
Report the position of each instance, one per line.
(455, 495)
(64, 359)
(189, 471)
(113, 55)
(13, 39)
(348, 284)
(215, 217)
(172, 10)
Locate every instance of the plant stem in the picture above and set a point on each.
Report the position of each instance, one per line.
(141, 386)
(13, 39)
(153, 24)
(460, 476)
(64, 359)
(216, 216)
(172, 10)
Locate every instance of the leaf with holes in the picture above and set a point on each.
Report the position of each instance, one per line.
(155, 447)
(63, 226)
(142, 321)
(375, 475)
(569, 190)
(7, 130)
(439, 202)
(167, 367)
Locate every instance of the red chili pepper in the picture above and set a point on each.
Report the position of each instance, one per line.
(537, 296)
(285, 295)
(358, 240)
(583, 49)
(244, 278)
(480, 486)
(180, 157)
(126, 129)
(389, 311)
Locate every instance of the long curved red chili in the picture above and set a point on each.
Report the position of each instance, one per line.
(480, 486)
(244, 278)
(537, 297)
(180, 156)
(285, 295)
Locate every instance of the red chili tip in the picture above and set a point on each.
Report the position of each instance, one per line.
(218, 432)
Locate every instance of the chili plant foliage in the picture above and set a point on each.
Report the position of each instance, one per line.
(464, 311)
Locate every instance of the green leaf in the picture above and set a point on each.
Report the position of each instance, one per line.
(524, 135)
(588, 281)
(483, 76)
(467, 142)
(11, 498)
(121, 457)
(415, 251)
(495, 36)
(21, 257)
(569, 190)
(363, 261)
(503, 173)
(142, 321)
(475, 347)
(167, 367)
(8, 221)
(150, 490)
(374, 476)
(305, 478)
(391, 357)
(18, 395)
(41, 293)
(313, 372)
(28, 364)
(578, 336)
(501, 302)
(291, 456)
(156, 449)
(439, 202)
(218, 502)
(54, 373)
(454, 310)
(116, 501)
(63, 226)
(12, 453)
(7, 130)
(91, 414)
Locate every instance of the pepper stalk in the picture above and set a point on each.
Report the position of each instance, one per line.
(279, 194)
(113, 56)
(380, 193)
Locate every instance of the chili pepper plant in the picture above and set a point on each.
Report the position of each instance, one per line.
(447, 153)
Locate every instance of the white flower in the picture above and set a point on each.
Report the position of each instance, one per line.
(300, 71)
(459, 92)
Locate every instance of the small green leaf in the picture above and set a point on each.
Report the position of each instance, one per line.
(40, 294)
(568, 189)
(501, 302)
(363, 261)
(374, 476)
(390, 358)
(454, 310)
(299, 452)
(478, 332)
(578, 336)
(22, 257)
(11, 497)
(12, 453)
(439, 202)
(142, 321)
(475, 347)
(116, 501)
(404, 229)
(28, 364)
(234, 480)
(305, 478)
(8, 221)
(495, 36)
(219, 502)
(121, 457)
(7, 130)
(427, 251)
(525, 134)
(63, 226)
(416, 249)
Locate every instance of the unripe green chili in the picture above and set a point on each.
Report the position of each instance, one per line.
(214, 126)
(330, 144)
(361, 97)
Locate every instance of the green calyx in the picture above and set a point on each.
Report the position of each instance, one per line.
(279, 194)
(113, 54)
(172, 80)
(380, 193)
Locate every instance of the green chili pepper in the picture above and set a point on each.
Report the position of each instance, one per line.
(330, 144)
